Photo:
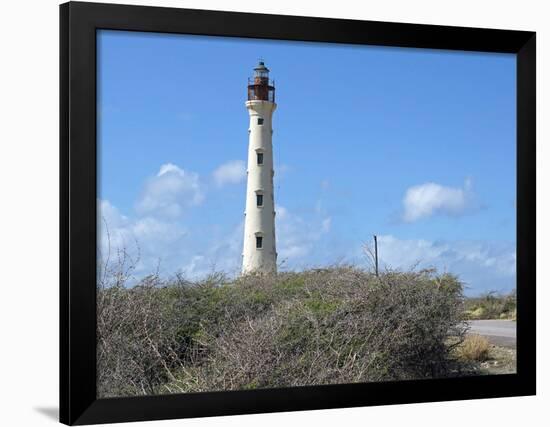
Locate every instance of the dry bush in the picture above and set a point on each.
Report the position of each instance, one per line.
(336, 325)
(475, 348)
(323, 326)
(138, 347)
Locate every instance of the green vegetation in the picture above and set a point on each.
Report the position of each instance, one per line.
(323, 326)
(491, 306)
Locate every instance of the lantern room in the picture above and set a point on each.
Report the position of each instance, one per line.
(260, 88)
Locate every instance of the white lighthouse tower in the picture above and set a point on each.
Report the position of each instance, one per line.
(259, 253)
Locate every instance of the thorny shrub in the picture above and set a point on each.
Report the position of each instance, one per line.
(321, 326)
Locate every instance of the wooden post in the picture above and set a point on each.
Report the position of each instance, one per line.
(375, 255)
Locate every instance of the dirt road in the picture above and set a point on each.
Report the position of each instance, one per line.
(498, 332)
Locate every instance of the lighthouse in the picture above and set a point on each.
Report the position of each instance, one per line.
(259, 253)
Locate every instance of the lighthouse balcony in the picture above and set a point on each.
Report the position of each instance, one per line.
(261, 90)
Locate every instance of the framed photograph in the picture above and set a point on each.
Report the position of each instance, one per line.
(266, 213)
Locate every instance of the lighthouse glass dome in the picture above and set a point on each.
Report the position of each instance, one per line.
(261, 71)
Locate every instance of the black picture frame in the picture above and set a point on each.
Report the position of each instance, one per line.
(78, 25)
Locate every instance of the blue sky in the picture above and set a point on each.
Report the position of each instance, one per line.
(417, 146)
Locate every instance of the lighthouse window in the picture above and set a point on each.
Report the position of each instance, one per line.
(260, 121)
(260, 158)
(259, 199)
(259, 242)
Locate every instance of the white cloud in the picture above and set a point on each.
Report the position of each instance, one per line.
(149, 228)
(404, 254)
(296, 236)
(151, 241)
(195, 267)
(156, 233)
(303, 241)
(282, 212)
(232, 172)
(223, 253)
(109, 214)
(146, 238)
(482, 265)
(425, 200)
(170, 192)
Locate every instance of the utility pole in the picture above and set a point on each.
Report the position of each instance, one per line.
(375, 255)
